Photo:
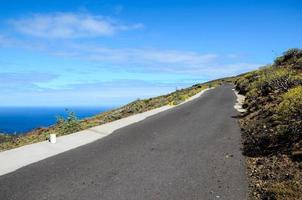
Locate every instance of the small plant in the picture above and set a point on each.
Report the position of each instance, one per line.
(243, 83)
(289, 113)
(279, 80)
(69, 125)
(6, 138)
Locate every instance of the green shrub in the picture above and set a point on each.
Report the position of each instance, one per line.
(290, 113)
(69, 125)
(298, 64)
(6, 138)
(252, 93)
(279, 80)
(244, 82)
(177, 99)
(291, 106)
(289, 57)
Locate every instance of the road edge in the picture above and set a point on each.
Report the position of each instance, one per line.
(14, 159)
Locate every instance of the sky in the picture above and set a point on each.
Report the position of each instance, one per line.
(107, 53)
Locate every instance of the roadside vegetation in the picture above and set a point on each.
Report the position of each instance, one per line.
(72, 124)
(272, 127)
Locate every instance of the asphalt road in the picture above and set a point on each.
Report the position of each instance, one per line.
(189, 152)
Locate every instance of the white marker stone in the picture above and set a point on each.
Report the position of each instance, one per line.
(53, 138)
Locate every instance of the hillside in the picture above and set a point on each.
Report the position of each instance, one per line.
(72, 124)
(272, 127)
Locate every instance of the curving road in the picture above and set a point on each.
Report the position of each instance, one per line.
(189, 152)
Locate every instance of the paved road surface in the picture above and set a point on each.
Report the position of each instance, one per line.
(190, 152)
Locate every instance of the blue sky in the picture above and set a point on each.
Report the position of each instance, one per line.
(100, 53)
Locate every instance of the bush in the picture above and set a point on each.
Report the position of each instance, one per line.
(291, 106)
(298, 64)
(244, 82)
(289, 57)
(278, 80)
(290, 113)
(6, 138)
(69, 125)
(179, 98)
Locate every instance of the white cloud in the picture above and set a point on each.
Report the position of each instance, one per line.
(70, 25)
(5, 41)
(144, 60)
(168, 56)
(158, 60)
(134, 55)
(23, 81)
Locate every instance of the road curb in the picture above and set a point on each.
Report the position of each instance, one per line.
(14, 159)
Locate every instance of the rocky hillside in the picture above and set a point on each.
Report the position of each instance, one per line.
(272, 127)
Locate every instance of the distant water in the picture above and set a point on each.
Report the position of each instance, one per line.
(18, 120)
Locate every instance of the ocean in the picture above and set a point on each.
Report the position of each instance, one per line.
(18, 120)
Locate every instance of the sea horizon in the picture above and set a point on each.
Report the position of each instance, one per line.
(22, 119)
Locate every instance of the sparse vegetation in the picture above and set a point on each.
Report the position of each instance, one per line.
(291, 105)
(69, 125)
(5, 138)
(72, 124)
(272, 127)
(276, 80)
(291, 58)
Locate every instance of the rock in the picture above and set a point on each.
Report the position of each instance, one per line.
(297, 155)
